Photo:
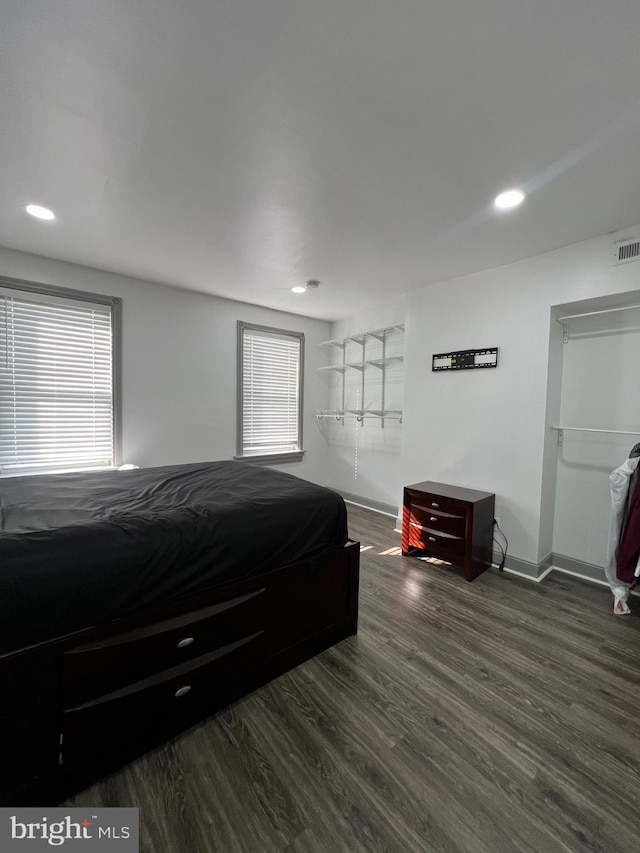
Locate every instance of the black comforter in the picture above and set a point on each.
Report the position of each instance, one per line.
(78, 550)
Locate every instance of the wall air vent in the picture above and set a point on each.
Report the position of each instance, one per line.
(626, 251)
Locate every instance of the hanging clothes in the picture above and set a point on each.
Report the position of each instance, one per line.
(633, 482)
(628, 554)
(619, 481)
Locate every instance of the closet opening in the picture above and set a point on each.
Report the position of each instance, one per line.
(593, 422)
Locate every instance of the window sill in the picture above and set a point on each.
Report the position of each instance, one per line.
(273, 458)
(38, 472)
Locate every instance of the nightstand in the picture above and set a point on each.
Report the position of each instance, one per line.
(451, 523)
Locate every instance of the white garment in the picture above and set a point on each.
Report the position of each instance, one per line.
(619, 482)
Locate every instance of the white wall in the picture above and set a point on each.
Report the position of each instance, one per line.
(179, 365)
(489, 429)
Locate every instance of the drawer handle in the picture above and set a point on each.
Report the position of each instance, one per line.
(435, 504)
(186, 641)
(432, 539)
(433, 518)
(182, 691)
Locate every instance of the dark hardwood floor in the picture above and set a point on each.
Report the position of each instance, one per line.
(496, 716)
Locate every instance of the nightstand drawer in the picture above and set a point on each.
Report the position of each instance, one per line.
(432, 501)
(436, 519)
(433, 540)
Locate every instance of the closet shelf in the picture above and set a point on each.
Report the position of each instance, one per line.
(565, 322)
(597, 313)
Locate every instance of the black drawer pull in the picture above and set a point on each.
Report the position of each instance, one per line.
(185, 641)
(432, 539)
(182, 691)
(435, 504)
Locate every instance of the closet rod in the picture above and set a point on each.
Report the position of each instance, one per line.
(593, 314)
(589, 429)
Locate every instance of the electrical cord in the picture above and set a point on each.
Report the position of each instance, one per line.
(503, 550)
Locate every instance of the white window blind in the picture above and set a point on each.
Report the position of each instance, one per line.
(56, 383)
(271, 391)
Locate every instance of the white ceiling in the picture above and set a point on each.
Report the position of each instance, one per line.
(241, 146)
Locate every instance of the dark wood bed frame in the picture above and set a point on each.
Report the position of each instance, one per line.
(80, 706)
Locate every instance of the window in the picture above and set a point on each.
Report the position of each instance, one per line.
(270, 370)
(58, 379)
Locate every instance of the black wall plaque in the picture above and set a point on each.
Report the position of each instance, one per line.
(466, 359)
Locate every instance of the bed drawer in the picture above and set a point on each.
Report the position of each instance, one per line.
(117, 659)
(126, 721)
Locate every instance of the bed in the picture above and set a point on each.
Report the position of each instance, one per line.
(133, 604)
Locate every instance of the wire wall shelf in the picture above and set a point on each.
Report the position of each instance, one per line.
(359, 414)
(381, 345)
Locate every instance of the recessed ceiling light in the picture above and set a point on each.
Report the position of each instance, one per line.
(509, 198)
(312, 284)
(40, 212)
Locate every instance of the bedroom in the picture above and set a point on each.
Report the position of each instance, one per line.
(385, 257)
